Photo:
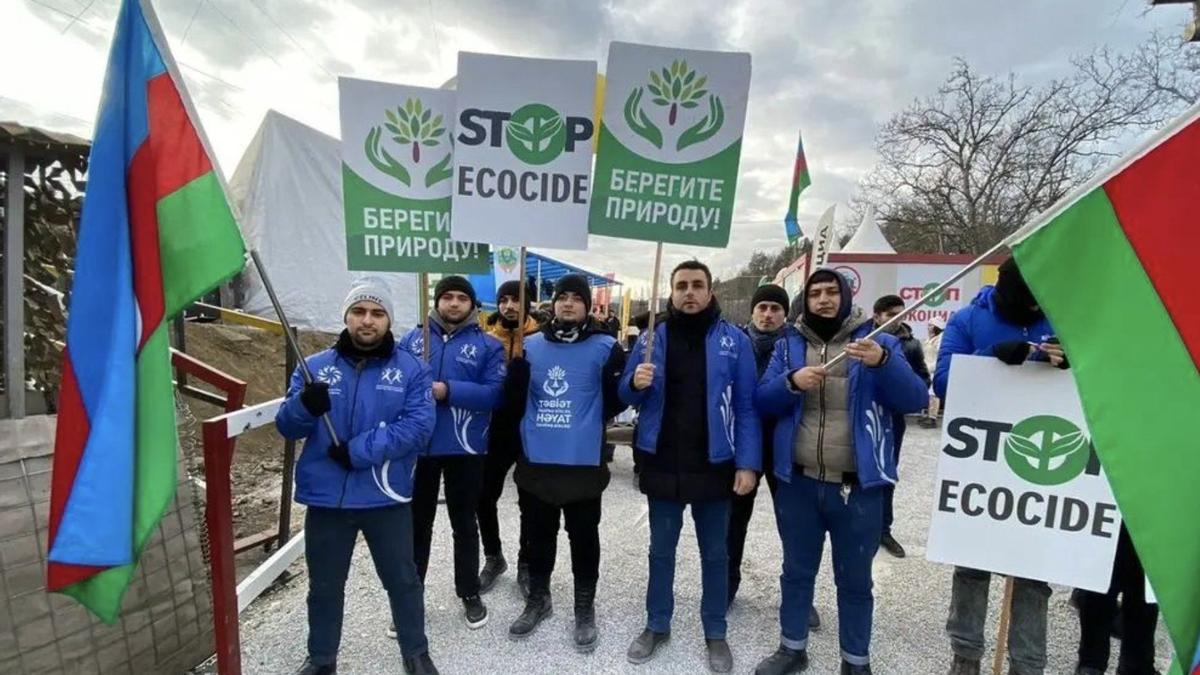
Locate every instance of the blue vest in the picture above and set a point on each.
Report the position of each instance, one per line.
(563, 421)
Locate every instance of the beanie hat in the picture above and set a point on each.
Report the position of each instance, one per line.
(512, 289)
(770, 293)
(373, 289)
(577, 284)
(454, 283)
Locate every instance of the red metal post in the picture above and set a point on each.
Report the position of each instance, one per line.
(218, 515)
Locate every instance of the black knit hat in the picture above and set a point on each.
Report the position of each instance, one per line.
(454, 283)
(512, 289)
(577, 284)
(770, 293)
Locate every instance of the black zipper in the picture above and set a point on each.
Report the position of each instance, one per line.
(358, 368)
(821, 417)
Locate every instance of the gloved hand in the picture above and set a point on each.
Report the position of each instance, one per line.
(315, 398)
(340, 453)
(1013, 352)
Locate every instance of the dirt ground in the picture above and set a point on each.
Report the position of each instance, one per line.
(257, 357)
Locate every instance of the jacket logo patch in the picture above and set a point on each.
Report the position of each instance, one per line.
(726, 346)
(329, 375)
(556, 382)
(417, 345)
(392, 376)
(467, 354)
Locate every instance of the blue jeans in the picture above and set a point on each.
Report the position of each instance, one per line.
(712, 530)
(805, 510)
(330, 536)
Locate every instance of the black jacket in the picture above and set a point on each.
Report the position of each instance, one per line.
(914, 352)
(558, 483)
(680, 468)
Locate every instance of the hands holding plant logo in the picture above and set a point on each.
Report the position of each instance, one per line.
(677, 87)
(412, 124)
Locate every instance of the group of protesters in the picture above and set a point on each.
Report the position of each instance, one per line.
(454, 404)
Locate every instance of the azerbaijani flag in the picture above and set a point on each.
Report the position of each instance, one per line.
(800, 180)
(1114, 269)
(156, 233)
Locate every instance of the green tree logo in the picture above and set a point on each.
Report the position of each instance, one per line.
(934, 300)
(412, 126)
(536, 134)
(506, 258)
(1047, 450)
(674, 88)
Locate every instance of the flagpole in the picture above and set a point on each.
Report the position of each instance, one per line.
(653, 307)
(291, 339)
(519, 346)
(423, 307)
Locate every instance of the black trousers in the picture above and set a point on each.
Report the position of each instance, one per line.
(1138, 619)
(496, 465)
(464, 481)
(739, 522)
(582, 522)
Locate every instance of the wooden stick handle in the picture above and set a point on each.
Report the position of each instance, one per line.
(1005, 619)
(653, 304)
(519, 345)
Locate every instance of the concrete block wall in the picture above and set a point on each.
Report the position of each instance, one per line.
(166, 619)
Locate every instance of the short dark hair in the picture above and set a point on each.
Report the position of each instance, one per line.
(887, 302)
(692, 264)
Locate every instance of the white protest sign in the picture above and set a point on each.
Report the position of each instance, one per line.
(396, 179)
(1019, 489)
(523, 151)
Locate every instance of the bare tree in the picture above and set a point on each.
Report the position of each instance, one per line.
(963, 168)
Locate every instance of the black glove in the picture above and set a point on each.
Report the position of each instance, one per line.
(340, 453)
(315, 398)
(1013, 352)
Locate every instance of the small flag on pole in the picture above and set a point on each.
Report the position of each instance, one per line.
(800, 180)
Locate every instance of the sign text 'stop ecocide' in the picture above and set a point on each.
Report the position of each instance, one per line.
(523, 157)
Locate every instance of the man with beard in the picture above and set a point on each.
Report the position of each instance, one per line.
(378, 398)
(562, 391)
(1006, 322)
(468, 374)
(834, 454)
(504, 446)
(768, 319)
(885, 309)
(697, 443)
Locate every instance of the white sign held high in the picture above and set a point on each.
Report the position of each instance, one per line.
(1019, 490)
(523, 151)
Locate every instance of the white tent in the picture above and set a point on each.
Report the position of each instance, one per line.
(288, 190)
(868, 238)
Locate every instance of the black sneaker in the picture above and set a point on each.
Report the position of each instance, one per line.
(643, 646)
(493, 567)
(310, 668)
(889, 544)
(475, 612)
(420, 665)
(851, 669)
(783, 662)
(391, 631)
(814, 619)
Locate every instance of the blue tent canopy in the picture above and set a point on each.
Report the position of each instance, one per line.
(537, 267)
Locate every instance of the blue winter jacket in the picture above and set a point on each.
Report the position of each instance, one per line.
(383, 409)
(975, 329)
(471, 363)
(735, 433)
(876, 394)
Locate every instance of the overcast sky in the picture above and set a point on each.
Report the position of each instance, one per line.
(835, 68)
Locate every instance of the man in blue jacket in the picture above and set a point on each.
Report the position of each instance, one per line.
(378, 398)
(468, 373)
(834, 454)
(1002, 321)
(697, 443)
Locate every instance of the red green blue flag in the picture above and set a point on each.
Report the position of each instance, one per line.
(155, 234)
(1114, 270)
(800, 180)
